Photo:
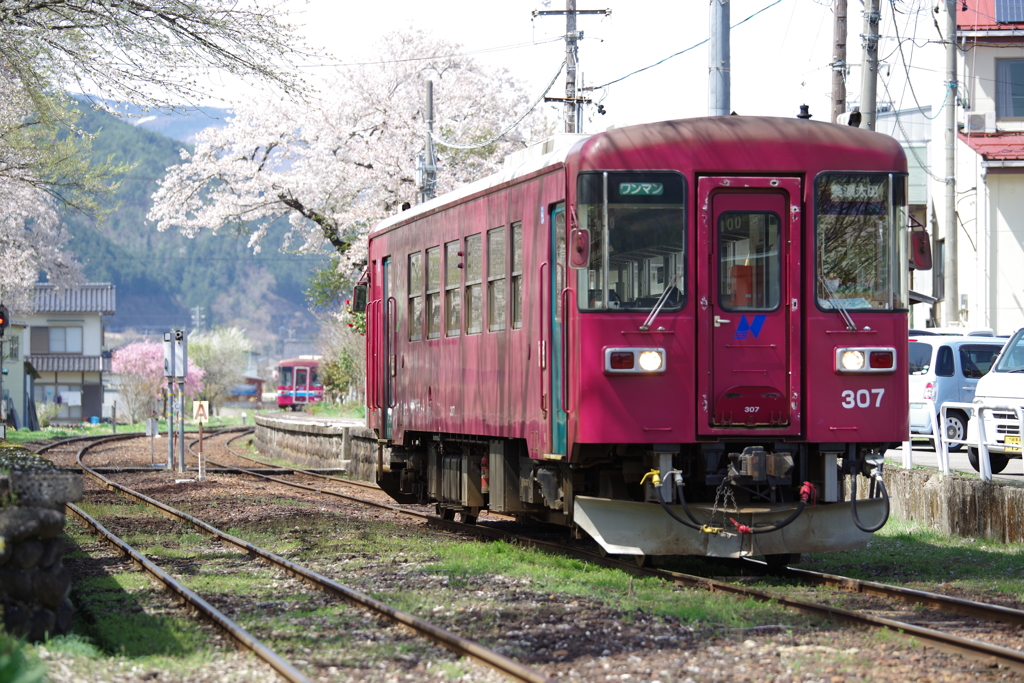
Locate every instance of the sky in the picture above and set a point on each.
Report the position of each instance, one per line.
(781, 51)
(780, 56)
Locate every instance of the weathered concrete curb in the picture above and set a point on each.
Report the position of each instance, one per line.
(957, 505)
(318, 442)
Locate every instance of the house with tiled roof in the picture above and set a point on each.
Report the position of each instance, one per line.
(55, 354)
(990, 164)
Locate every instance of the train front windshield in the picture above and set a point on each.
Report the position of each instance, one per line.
(635, 225)
(861, 231)
(285, 379)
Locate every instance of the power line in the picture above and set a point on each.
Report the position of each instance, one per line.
(515, 123)
(692, 47)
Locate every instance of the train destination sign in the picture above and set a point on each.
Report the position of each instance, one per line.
(641, 189)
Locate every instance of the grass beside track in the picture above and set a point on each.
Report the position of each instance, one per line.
(536, 607)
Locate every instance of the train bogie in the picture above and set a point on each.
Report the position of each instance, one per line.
(680, 338)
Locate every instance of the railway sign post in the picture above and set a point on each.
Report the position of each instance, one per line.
(200, 413)
(180, 371)
(169, 374)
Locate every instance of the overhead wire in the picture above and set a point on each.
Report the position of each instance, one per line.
(692, 47)
(453, 145)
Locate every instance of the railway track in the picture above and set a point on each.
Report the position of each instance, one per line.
(939, 638)
(457, 644)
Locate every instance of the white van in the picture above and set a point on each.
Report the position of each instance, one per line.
(944, 369)
(1002, 385)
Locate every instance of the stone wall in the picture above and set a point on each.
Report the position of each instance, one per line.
(34, 585)
(319, 443)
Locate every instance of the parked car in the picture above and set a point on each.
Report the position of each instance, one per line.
(946, 369)
(1004, 385)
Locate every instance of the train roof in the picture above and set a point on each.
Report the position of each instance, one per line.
(788, 135)
(300, 360)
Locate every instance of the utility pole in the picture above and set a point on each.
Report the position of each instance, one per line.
(572, 107)
(718, 60)
(428, 161)
(952, 307)
(869, 83)
(573, 120)
(839, 60)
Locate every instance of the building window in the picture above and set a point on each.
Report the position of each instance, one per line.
(1009, 88)
(67, 396)
(11, 347)
(474, 284)
(433, 292)
(452, 291)
(496, 280)
(415, 296)
(517, 275)
(65, 340)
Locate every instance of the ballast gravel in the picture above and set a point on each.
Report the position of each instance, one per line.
(563, 637)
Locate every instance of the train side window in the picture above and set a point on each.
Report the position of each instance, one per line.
(452, 288)
(474, 284)
(416, 296)
(433, 292)
(517, 275)
(496, 280)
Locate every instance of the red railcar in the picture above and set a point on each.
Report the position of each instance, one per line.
(679, 337)
(298, 383)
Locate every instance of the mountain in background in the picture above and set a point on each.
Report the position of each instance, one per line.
(181, 126)
(162, 278)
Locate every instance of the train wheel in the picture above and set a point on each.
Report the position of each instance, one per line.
(466, 517)
(643, 560)
(445, 513)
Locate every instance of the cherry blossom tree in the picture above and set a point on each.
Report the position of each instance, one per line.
(332, 168)
(139, 367)
(148, 52)
(42, 168)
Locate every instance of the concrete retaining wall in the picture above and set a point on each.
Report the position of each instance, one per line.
(319, 443)
(958, 505)
(962, 506)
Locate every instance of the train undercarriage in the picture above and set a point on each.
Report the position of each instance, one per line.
(724, 499)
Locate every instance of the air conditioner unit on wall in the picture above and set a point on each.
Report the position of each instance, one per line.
(981, 122)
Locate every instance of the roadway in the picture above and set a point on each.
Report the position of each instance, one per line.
(925, 456)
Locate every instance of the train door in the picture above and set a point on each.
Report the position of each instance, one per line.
(558, 323)
(300, 391)
(389, 322)
(749, 322)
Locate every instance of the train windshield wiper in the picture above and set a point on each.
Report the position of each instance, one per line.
(835, 301)
(658, 306)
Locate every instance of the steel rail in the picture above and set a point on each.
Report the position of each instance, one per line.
(295, 470)
(239, 635)
(939, 601)
(457, 644)
(1013, 659)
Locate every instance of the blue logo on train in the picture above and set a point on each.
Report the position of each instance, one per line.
(748, 327)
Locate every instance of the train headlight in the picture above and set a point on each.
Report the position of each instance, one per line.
(634, 361)
(852, 360)
(865, 359)
(650, 361)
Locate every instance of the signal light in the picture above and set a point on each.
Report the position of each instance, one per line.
(5, 319)
(620, 360)
(881, 360)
